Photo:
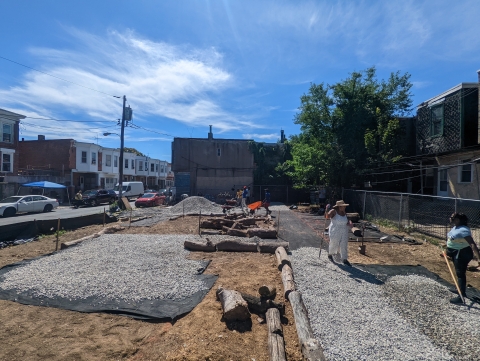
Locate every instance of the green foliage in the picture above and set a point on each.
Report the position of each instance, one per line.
(134, 151)
(270, 162)
(346, 127)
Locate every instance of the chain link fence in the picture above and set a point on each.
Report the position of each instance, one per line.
(413, 212)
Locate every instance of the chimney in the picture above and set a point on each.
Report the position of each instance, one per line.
(282, 136)
(41, 137)
(210, 135)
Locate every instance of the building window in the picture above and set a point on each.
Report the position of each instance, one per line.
(6, 162)
(140, 166)
(133, 163)
(152, 167)
(436, 127)
(108, 160)
(115, 161)
(219, 152)
(94, 158)
(7, 133)
(126, 163)
(465, 173)
(156, 167)
(84, 157)
(443, 180)
(161, 170)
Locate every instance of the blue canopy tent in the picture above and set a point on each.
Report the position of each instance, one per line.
(46, 185)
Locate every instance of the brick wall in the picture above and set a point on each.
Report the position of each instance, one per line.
(54, 154)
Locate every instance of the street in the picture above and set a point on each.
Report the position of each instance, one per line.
(60, 212)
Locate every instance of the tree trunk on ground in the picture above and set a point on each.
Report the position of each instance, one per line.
(236, 246)
(237, 232)
(276, 344)
(271, 247)
(287, 279)
(310, 347)
(259, 305)
(262, 232)
(282, 258)
(267, 291)
(233, 305)
(206, 246)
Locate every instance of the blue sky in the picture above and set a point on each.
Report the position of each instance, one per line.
(240, 66)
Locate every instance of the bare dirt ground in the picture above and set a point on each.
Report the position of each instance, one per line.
(41, 333)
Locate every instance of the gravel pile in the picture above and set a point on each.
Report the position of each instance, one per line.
(356, 317)
(195, 205)
(277, 206)
(128, 267)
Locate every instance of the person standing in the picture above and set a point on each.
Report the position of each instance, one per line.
(248, 195)
(239, 197)
(461, 247)
(267, 201)
(338, 232)
(78, 199)
(244, 197)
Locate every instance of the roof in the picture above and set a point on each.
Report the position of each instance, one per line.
(7, 112)
(448, 92)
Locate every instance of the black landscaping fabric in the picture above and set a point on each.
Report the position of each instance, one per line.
(297, 232)
(144, 309)
(383, 272)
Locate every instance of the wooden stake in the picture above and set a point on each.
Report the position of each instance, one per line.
(130, 222)
(58, 235)
(103, 217)
(183, 207)
(199, 220)
(453, 276)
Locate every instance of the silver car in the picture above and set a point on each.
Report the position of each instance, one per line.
(22, 204)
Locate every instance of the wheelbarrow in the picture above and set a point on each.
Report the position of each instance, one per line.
(254, 206)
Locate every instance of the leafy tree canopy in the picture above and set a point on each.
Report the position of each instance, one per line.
(134, 151)
(348, 126)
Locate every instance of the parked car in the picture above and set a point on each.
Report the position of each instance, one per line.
(150, 200)
(96, 197)
(29, 203)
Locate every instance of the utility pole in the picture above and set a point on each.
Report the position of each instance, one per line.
(122, 134)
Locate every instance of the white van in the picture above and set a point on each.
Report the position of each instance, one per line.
(130, 189)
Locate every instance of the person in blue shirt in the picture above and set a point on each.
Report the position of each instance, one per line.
(461, 247)
(267, 201)
(244, 197)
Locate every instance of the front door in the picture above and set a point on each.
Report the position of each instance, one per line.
(442, 186)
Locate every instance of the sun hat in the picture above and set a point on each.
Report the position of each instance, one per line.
(340, 204)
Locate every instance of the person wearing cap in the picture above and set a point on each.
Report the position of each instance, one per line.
(266, 201)
(338, 231)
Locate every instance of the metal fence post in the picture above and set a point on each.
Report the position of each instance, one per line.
(400, 212)
(364, 203)
(455, 205)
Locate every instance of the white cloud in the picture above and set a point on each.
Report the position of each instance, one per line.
(159, 79)
(261, 136)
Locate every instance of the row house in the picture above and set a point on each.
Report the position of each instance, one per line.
(81, 165)
(445, 159)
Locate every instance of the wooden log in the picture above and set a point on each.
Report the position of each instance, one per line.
(260, 305)
(247, 221)
(288, 281)
(354, 217)
(237, 232)
(236, 246)
(271, 246)
(205, 246)
(233, 305)
(210, 224)
(106, 230)
(276, 344)
(311, 348)
(237, 225)
(267, 291)
(262, 232)
(357, 232)
(282, 258)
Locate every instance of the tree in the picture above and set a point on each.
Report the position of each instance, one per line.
(134, 151)
(347, 126)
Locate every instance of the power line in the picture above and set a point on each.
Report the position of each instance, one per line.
(58, 120)
(134, 126)
(54, 76)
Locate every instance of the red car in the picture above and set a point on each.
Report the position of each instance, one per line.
(150, 200)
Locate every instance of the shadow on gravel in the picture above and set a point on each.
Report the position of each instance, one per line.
(360, 276)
